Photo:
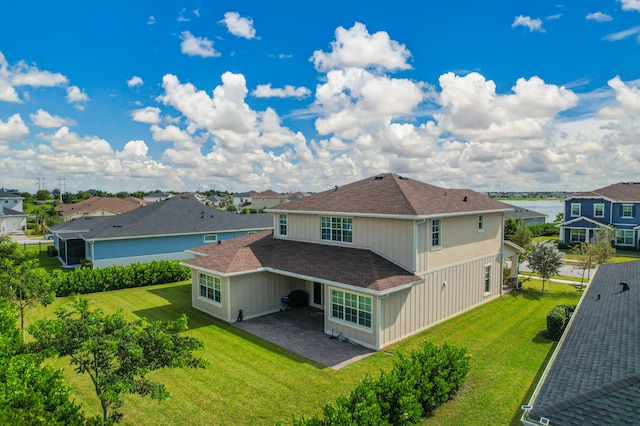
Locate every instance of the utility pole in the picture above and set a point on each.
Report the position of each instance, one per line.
(62, 183)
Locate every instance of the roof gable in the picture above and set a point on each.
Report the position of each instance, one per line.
(390, 194)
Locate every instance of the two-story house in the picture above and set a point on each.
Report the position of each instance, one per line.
(384, 258)
(12, 218)
(616, 206)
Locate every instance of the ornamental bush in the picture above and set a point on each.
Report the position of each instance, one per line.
(85, 280)
(412, 390)
(557, 320)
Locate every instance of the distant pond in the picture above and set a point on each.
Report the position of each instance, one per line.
(549, 207)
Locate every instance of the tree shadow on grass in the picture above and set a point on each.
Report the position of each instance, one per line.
(179, 298)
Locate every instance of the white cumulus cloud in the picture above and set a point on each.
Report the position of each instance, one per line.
(527, 22)
(150, 115)
(288, 91)
(13, 128)
(44, 119)
(239, 26)
(633, 5)
(135, 81)
(197, 46)
(599, 17)
(75, 94)
(355, 47)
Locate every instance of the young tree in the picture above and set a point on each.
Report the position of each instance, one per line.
(545, 259)
(30, 394)
(522, 234)
(20, 281)
(117, 354)
(597, 252)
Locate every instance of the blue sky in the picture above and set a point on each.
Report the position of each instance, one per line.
(254, 95)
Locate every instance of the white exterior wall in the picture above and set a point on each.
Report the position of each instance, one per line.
(390, 238)
(410, 311)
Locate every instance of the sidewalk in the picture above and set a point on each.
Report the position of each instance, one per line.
(21, 238)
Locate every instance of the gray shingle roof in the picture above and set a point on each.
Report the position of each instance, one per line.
(5, 194)
(595, 377)
(390, 194)
(521, 212)
(356, 267)
(178, 215)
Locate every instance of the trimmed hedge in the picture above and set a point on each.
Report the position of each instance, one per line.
(85, 280)
(412, 390)
(557, 320)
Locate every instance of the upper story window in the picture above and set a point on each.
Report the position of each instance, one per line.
(575, 209)
(282, 224)
(211, 238)
(598, 210)
(627, 210)
(435, 233)
(480, 223)
(210, 287)
(337, 229)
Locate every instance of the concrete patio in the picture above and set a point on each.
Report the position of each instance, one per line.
(301, 330)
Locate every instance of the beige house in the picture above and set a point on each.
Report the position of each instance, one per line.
(384, 257)
(258, 200)
(98, 206)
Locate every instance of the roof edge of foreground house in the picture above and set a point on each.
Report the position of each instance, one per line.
(384, 258)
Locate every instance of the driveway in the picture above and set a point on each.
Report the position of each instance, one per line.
(301, 330)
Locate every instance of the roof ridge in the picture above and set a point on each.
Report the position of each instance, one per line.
(396, 181)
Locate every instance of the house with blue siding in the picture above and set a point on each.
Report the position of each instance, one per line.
(159, 231)
(616, 206)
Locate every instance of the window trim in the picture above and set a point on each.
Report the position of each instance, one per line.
(336, 231)
(579, 209)
(487, 279)
(215, 286)
(359, 298)
(625, 232)
(622, 215)
(436, 234)
(583, 230)
(207, 239)
(595, 213)
(283, 222)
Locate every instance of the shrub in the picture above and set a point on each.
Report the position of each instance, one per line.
(413, 389)
(86, 280)
(544, 230)
(52, 251)
(557, 320)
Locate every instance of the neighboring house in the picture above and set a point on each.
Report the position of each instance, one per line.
(217, 200)
(593, 377)
(384, 257)
(529, 217)
(12, 217)
(258, 200)
(616, 206)
(97, 206)
(159, 231)
(157, 196)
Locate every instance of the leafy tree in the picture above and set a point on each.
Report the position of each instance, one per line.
(21, 283)
(559, 218)
(545, 259)
(597, 252)
(117, 354)
(522, 234)
(43, 195)
(30, 394)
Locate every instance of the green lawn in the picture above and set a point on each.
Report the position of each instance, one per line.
(250, 381)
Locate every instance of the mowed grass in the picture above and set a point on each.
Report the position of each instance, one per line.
(252, 382)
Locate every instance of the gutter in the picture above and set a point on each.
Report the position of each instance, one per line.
(390, 216)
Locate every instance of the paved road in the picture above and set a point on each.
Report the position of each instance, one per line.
(566, 270)
(20, 238)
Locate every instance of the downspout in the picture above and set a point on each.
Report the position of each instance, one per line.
(502, 259)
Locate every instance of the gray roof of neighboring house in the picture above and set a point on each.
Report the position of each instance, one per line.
(178, 215)
(521, 213)
(356, 267)
(11, 212)
(393, 195)
(595, 376)
(5, 194)
(622, 191)
(75, 228)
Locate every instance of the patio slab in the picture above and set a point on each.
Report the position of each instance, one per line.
(301, 330)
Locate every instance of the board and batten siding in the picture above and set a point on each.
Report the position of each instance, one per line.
(390, 238)
(460, 241)
(256, 294)
(410, 311)
(359, 335)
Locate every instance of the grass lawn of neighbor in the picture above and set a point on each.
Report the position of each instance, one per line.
(250, 381)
